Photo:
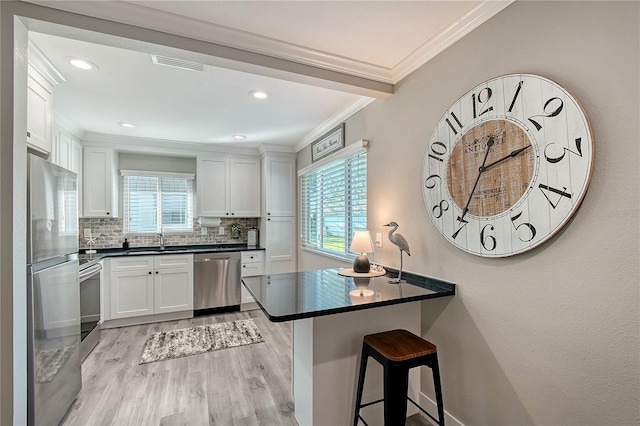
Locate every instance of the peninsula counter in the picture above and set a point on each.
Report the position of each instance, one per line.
(331, 314)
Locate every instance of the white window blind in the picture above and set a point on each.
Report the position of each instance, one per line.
(155, 203)
(334, 203)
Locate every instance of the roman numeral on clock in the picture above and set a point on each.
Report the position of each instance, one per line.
(455, 127)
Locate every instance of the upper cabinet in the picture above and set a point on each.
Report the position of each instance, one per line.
(67, 153)
(39, 112)
(244, 186)
(100, 186)
(212, 180)
(228, 186)
(279, 184)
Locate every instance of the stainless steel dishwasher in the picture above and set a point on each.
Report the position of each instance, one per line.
(216, 282)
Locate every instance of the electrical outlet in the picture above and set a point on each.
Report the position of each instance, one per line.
(204, 230)
(221, 230)
(87, 232)
(378, 239)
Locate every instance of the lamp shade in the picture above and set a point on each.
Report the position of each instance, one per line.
(361, 242)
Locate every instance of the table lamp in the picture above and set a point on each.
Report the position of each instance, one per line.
(361, 244)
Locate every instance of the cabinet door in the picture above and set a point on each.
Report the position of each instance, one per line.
(100, 182)
(39, 112)
(280, 245)
(75, 165)
(244, 187)
(63, 157)
(173, 290)
(252, 269)
(280, 186)
(212, 177)
(131, 294)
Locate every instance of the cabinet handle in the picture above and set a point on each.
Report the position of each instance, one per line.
(28, 134)
(268, 214)
(232, 214)
(156, 272)
(149, 272)
(107, 213)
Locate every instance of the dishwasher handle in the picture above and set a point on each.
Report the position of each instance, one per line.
(212, 257)
(209, 259)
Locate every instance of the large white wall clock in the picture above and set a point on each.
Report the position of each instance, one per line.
(507, 165)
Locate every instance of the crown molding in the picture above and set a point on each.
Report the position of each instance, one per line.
(62, 123)
(447, 37)
(146, 17)
(161, 146)
(333, 121)
(285, 150)
(43, 66)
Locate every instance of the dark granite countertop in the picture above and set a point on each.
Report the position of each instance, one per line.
(87, 259)
(298, 295)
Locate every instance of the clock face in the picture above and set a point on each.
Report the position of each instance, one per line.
(507, 165)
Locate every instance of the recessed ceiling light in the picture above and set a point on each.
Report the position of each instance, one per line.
(259, 94)
(239, 137)
(82, 64)
(127, 125)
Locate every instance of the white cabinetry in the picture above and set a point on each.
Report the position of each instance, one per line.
(100, 186)
(143, 288)
(173, 283)
(252, 264)
(131, 288)
(280, 244)
(228, 186)
(279, 185)
(244, 187)
(67, 153)
(278, 225)
(39, 112)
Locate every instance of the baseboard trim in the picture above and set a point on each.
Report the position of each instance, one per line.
(430, 405)
(146, 319)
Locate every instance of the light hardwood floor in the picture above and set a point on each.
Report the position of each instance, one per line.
(247, 385)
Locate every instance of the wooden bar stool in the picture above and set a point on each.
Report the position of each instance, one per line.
(398, 351)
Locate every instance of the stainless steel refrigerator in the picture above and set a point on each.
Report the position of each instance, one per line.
(53, 304)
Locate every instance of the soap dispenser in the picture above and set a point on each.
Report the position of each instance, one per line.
(125, 244)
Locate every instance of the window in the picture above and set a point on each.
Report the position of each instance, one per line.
(154, 202)
(334, 201)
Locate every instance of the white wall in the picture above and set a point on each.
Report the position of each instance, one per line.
(551, 336)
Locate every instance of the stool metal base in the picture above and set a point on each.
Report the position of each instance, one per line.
(398, 351)
(382, 400)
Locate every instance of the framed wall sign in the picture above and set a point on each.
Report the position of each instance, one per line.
(330, 142)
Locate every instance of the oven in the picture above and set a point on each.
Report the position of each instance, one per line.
(90, 277)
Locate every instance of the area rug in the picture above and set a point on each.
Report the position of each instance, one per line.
(196, 340)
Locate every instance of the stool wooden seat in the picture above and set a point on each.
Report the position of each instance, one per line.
(398, 351)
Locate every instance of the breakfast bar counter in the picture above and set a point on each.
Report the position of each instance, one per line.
(331, 313)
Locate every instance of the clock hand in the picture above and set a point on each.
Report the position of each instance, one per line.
(481, 170)
(513, 154)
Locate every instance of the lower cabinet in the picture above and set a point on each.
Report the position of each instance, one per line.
(252, 264)
(149, 286)
(131, 294)
(280, 243)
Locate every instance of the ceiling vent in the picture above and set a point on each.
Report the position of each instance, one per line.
(176, 63)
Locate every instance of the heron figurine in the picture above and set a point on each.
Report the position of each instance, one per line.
(400, 241)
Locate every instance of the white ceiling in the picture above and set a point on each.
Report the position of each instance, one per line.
(376, 40)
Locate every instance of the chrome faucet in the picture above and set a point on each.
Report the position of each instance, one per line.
(161, 235)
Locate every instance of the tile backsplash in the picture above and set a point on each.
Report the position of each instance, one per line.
(108, 234)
